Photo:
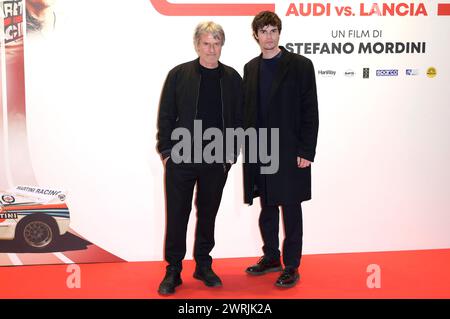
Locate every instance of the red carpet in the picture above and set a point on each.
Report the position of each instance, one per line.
(404, 274)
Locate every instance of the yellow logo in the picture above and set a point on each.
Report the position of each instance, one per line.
(431, 72)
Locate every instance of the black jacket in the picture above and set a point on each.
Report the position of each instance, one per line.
(179, 102)
(293, 110)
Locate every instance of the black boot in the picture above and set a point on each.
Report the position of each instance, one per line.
(288, 278)
(207, 275)
(171, 280)
(264, 266)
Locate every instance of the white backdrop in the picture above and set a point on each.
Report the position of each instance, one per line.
(381, 176)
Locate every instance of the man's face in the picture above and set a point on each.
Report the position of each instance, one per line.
(268, 37)
(208, 49)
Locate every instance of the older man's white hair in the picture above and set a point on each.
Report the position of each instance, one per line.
(211, 27)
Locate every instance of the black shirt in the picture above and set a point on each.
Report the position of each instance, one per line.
(209, 108)
(267, 70)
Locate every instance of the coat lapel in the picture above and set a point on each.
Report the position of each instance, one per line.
(282, 69)
(253, 83)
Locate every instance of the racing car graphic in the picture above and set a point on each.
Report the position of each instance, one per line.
(35, 217)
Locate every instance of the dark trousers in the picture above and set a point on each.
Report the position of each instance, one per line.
(293, 228)
(180, 182)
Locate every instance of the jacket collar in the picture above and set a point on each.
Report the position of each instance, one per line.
(283, 51)
(197, 67)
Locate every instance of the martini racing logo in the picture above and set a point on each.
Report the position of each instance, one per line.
(4, 216)
(13, 21)
(387, 73)
(40, 191)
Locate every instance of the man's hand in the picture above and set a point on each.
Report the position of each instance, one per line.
(302, 163)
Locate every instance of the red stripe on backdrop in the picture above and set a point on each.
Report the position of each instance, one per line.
(19, 155)
(443, 9)
(37, 207)
(208, 9)
(3, 178)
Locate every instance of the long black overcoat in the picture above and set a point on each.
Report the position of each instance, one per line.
(293, 109)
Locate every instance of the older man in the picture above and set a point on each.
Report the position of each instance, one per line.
(201, 91)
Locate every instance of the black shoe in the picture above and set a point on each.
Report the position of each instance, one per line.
(171, 280)
(207, 275)
(288, 278)
(264, 266)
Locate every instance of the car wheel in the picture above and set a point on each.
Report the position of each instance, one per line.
(37, 233)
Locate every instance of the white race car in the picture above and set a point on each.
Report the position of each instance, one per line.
(33, 216)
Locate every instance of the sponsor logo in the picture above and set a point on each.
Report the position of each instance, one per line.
(38, 190)
(387, 72)
(349, 73)
(326, 73)
(8, 199)
(365, 73)
(8, 216)
(431, 72)
(412, 71)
